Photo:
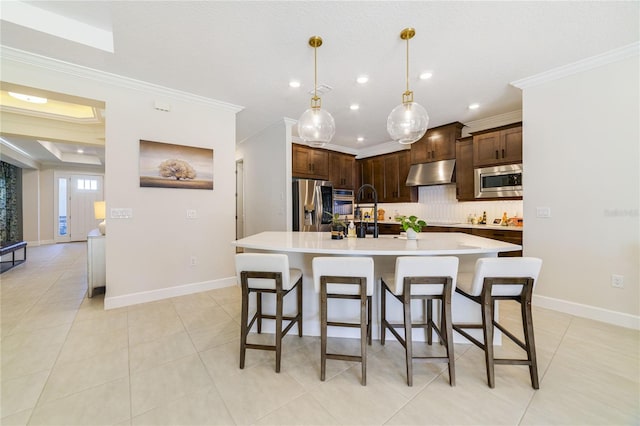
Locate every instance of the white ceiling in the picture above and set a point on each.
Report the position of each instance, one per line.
(245, 52)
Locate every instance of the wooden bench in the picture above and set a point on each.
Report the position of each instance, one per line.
(12, 248)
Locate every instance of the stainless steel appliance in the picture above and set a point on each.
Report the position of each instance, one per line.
(312, 205)
(435, 173)
(343, 201)
(499, 181)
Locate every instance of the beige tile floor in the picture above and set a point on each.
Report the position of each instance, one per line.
(66, 361)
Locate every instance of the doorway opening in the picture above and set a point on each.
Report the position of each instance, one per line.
(73, 214)
(239, 199)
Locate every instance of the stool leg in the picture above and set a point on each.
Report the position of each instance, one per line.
(243, 326)
(299, 294)
(259, 310)
(487, 327)
(429, 321)
(527, 321)
(363, 332)
(279, 303)
(383, 312)
(408, 346)
(323, 329)
(369, 315)
(446, 329)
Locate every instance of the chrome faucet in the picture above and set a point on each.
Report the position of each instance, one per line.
(375, 207)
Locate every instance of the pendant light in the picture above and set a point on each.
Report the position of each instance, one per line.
(316, 125)
(408, 121)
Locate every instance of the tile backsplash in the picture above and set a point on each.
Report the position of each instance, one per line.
(439, 204)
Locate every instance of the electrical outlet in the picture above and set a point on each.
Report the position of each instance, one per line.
(617, 281)
(193, 261)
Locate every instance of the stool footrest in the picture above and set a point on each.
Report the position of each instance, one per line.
(507, 361)
(263, 347)
(443, 359)
(343, 357)
(343, 324)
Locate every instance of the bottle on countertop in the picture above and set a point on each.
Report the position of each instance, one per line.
(351, 230)
(484, 218)
(505, 220)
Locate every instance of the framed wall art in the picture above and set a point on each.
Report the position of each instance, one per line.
(166, 165)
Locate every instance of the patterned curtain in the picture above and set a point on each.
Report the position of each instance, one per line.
(9, 203)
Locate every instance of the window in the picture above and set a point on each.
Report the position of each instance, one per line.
(88, 184)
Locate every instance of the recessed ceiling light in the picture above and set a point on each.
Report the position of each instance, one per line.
(360, 139)
(28, 98)
(354, 107)
(80, 151)
(426, 75)
(362, 79)
(294, 84)
(474, 106)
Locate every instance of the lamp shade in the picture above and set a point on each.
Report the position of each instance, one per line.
(100, 213)
(316, 126)
(407, 122)
(99, 209)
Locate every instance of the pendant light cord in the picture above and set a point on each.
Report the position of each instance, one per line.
(315, 72)
(407, 64)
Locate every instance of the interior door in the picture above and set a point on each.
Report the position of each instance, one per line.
(83, 190)
(73, 210)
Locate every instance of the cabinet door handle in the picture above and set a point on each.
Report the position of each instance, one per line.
(502, 152)
(497, 154)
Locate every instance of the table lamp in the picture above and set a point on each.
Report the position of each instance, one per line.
(100, 212)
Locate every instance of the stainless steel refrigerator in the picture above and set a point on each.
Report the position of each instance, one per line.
(312, 205)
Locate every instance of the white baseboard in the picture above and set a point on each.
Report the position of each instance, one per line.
(40, 243)
(586, 311)
(166, 293)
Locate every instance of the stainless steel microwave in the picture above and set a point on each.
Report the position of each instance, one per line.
(498, 181)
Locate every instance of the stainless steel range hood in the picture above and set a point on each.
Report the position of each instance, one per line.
(436, 173)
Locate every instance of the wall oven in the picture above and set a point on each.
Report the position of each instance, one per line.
(343, 201)
(498, 181)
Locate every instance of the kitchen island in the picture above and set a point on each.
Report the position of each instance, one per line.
(302, 247)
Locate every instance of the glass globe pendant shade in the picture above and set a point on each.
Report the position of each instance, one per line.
(316, 126)
(407, 122)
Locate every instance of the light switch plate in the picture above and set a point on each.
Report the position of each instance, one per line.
(121, 213)
(543, 212)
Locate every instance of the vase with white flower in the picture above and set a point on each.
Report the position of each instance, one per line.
(411, 225)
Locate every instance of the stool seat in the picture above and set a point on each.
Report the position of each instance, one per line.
(343, 267)
(472, 283)
(267, 273)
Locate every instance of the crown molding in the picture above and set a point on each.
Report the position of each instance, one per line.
(492, 122)
(609, 57)
(39, 61)
(382, 148)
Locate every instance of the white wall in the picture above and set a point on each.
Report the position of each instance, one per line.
(581, 156)
(148, 255)
(266, 160)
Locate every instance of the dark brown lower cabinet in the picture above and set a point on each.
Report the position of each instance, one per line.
(508, 236)
(513, 237)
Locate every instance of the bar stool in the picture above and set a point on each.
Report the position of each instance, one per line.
(344, 278)
(426, 279)
(267, 273)
(502, 278)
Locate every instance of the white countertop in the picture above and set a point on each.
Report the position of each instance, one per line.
(469, 225)
(460, 225)
(427, 244)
